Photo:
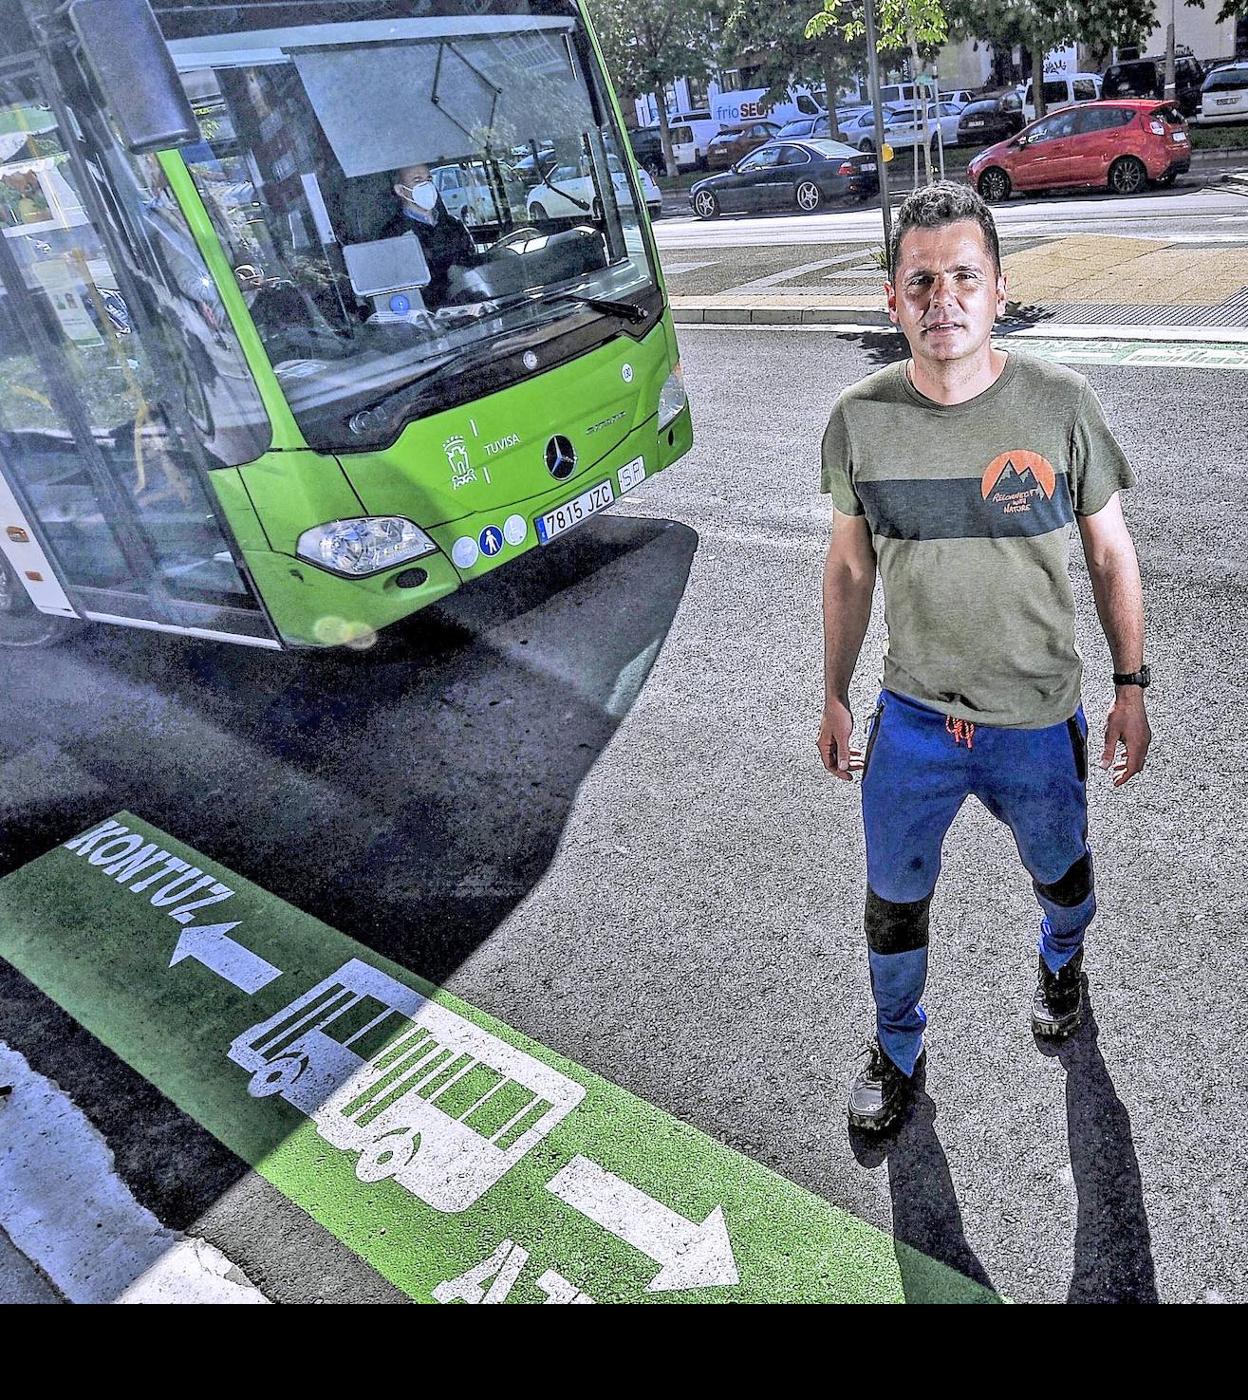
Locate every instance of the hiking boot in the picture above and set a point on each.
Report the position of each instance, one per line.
(1057, 1007)
(880, 1092)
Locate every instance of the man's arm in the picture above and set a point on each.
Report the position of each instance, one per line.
(1115, 574)
(848, 585)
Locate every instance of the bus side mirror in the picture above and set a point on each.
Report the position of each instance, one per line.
(126, 52)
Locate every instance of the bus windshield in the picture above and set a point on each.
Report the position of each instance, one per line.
(405, 189)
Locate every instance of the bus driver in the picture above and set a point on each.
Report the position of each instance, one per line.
(446, 242)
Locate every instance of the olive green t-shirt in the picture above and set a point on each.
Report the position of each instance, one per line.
(971, 508)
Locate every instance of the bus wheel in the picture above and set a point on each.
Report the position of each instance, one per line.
(705, 205)
(277, 1076)
(388, 1155)
(21, 623)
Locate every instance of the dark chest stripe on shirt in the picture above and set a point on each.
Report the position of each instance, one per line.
(956, 509)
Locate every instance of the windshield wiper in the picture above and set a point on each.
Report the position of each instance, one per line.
(625, 310)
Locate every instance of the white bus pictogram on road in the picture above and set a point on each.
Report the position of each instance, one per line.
(421, 1094)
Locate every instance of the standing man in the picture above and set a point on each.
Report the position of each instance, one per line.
(960, 472)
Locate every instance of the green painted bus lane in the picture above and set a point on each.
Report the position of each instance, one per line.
(461, 1160)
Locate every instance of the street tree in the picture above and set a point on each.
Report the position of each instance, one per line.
(918, 26)
(774, 38)
(650, 43)
(1040, 26)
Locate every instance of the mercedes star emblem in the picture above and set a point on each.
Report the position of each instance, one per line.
(560, 458)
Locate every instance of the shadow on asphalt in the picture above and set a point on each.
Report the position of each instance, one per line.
(1113, 1260)
(1113, 1248)
(410, 795)
(928, 1235)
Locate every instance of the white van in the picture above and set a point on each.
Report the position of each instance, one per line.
(742, 107)
(1224, 95)
(685, 145)
(701, 126)
(1061, 90)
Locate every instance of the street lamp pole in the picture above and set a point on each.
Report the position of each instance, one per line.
(873, 88)
(1169, 94)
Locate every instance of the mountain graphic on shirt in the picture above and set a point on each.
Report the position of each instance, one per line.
(1014, 472)
(1012, 479)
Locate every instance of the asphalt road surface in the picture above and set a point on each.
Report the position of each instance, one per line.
(585, 797)
(1187, 213)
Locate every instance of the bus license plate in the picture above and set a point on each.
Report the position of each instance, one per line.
(560, 520)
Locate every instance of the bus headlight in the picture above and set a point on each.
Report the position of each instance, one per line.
(672, 397)
(364, 546)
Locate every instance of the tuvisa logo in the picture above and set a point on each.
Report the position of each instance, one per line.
(492, 449)
(1014, 479)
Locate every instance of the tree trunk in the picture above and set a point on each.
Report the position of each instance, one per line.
(921, 99)
(829, 83)
(665, 135)
(1037, 81)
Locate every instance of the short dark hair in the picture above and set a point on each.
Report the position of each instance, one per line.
(944, 202)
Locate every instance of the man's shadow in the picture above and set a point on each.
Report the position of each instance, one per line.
(936, 1262)
(1113, 1252)
(1113, 1247)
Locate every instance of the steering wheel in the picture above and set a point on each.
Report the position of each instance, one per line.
(518, 235)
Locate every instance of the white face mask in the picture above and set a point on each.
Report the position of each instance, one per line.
(423, 194)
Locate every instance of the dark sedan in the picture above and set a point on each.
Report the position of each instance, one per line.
(996, 116)
(804, 175)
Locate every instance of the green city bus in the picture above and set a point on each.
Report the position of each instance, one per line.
(257, 381)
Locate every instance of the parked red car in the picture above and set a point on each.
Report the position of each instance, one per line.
(1118, 145)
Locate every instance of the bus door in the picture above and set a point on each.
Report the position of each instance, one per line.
(103, 471)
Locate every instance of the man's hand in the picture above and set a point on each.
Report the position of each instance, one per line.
(1126, 724)
(835, 730)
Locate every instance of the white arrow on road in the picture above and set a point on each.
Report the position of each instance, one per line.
(692, 1256)
(209, 945)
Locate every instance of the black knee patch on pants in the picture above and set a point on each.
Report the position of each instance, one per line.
(896, 928)
(1073, 887)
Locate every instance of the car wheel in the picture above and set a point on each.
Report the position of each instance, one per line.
(21, 623)
(538, 211)
(866, 145)
(705, 205)
(994, 185)
(655, 167)
(1167, 180)
(809, 196)
(656, 211)
(1127, 176)
(595, 210)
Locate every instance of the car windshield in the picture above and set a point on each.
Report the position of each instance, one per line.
(372, 181)
(1226, 78)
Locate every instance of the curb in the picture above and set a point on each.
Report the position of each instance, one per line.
(778, 316)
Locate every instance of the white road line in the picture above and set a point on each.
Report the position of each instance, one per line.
(65, 1208)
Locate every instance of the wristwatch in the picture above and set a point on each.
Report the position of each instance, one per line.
(1143, 677)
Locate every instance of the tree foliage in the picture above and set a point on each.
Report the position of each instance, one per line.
(1039, 26)
(650, 43)
(773, 36)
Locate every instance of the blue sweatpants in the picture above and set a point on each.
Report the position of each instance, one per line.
(920, 766)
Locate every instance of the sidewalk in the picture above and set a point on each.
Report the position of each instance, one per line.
(1082, 279)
